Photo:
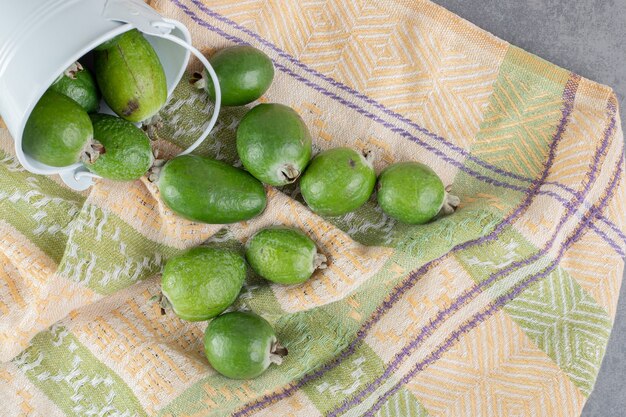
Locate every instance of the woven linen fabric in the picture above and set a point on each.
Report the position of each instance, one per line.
(501, 309)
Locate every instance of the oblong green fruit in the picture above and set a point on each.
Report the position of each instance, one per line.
(131, 77)
(244, 72)
(209, 191)
(282, 255)
(337, 181)
(412, 193)
(58, 131)
(241, 345)
(203, 282)
(78, 84)
(128, 153)
(274, 144)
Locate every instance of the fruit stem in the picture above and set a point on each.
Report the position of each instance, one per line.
(277, 353)
(320, 261)
(450, 202)
(198, 81)
(75, 68)
(91, 152)
(290, 173)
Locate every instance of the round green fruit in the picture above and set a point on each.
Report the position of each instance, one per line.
(131, 77)
(209, 191)
(412, 193)
(58, 132)
(203, 282)
(337, 181)
(244, 74)
(274, 144)
(241, 345)
(128, 153)
(284, 256)
(78, 84)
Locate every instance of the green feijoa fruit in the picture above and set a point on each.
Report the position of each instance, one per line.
(337, 181)
(242, 345)
(58, 132)
(244, 74)
(209, 191)
(282, 255)
(78, 84)
(203, 282)
(131, 78)
(412, 193)
(274, 144)
(128, 153)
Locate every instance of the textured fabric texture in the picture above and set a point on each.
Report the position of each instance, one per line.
(501, 309)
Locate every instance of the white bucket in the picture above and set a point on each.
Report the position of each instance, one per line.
(39, 39)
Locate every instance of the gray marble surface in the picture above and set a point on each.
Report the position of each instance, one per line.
(587, 37)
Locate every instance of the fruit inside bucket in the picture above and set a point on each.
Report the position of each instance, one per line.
(171, 60)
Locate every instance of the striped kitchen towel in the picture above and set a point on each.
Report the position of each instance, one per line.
(501, 309)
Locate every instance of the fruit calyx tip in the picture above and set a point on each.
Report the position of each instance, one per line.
(368, 156)
(155, 170)
(73, 69)
(277, 353)
(91, 152)
(289, 173)
(152, 126)
(450, 202)
(198, 80)
(320, 261)
(164, 303)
